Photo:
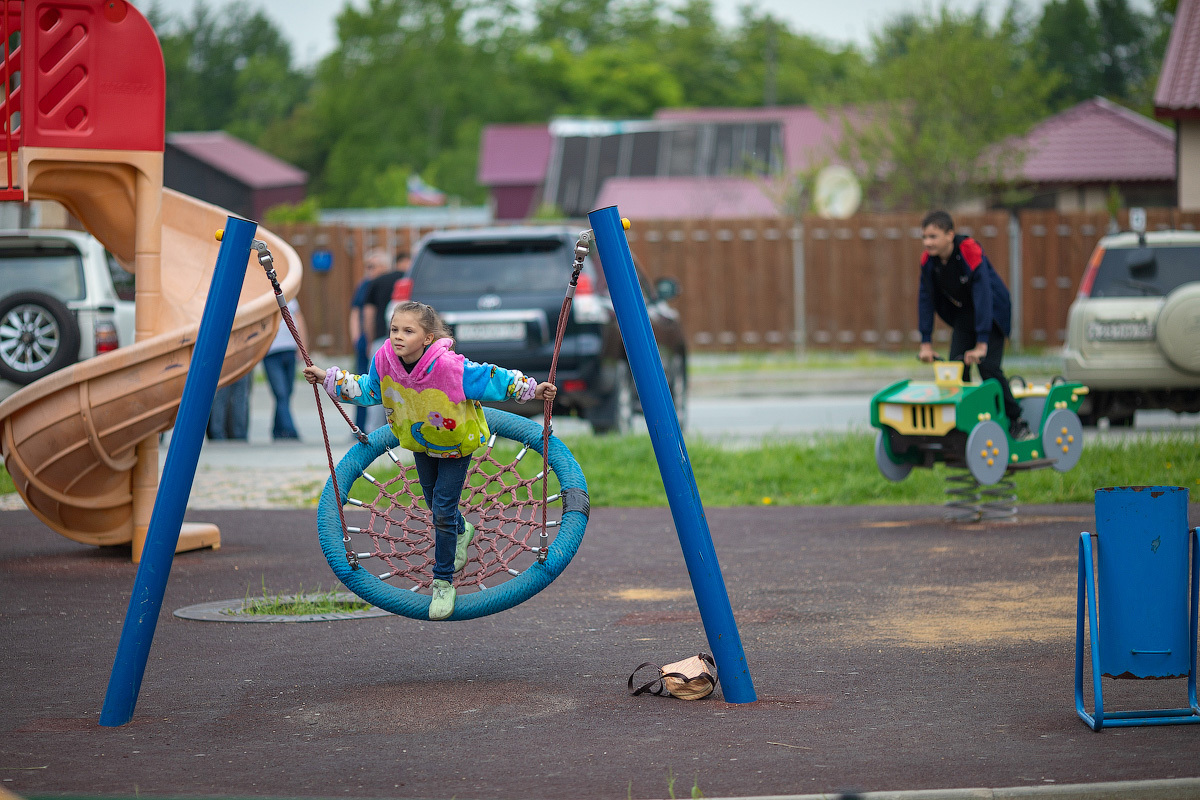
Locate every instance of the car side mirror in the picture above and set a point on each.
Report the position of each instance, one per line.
(666, 288)
(1141, 261)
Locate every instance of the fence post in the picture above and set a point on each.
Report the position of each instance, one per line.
(799, 295)
(1016, 281)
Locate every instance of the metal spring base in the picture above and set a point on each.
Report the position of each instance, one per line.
(968, 501)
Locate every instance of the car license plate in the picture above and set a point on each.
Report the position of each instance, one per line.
(490, 331)
(1120, 330)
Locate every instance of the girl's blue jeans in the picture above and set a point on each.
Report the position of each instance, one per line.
(442, 482)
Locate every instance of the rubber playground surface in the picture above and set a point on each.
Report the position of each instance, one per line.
(890, 650)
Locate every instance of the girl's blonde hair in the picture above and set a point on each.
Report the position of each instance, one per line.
(428, 318)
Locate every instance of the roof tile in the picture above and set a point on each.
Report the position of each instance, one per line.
(1179, 82)
(686, 198)
(1098, 140)
(238, 159)
(514, 155)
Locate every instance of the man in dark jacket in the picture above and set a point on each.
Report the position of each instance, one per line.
(960, 285)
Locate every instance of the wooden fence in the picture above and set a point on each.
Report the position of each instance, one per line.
(765, 284)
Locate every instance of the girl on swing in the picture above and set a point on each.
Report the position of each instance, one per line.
(431, 396)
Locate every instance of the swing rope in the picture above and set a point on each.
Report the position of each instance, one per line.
(500, 488)
(268, 264)
(582, 247)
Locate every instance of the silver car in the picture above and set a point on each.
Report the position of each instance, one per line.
(1133, 332)
(63, 298)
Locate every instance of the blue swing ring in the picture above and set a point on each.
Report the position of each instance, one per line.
(515, 590)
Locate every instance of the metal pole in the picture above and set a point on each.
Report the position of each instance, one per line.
(673, 463)
(162, 537)
(1016, 282)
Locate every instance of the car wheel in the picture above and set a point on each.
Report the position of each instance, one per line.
(1176, 326)
(679, 388)
(615, 413)
(38, 336)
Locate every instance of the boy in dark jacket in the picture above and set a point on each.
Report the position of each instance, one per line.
(960, 285)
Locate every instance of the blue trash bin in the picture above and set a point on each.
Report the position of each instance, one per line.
(1140, 599)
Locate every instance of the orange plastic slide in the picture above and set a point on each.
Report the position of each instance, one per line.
(82, 444)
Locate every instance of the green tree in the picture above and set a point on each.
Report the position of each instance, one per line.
(1105, 47)
(774, 65)
(231, 70)
(949, 89)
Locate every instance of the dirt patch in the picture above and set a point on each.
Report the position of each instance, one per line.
(650, 594)
(996, 612)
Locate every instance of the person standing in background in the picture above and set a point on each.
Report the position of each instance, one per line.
(280, 365)
(229, 418)
(374, 265)
(376, 324)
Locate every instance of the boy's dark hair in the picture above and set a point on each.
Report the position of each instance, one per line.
(939, 219)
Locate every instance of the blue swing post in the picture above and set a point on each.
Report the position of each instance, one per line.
(673, 463)
(166, 520)
(1147, 625)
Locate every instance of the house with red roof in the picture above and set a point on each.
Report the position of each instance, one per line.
(703, 163)
(725, 163)
(1070, 161)
(226, 171)
(512, 163)
(1177, 97)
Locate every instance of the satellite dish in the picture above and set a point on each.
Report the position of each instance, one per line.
(837, 193)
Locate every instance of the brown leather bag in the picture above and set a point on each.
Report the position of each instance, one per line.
(689, 679)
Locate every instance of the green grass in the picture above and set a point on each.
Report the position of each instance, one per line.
(299, 603)
(1031, 361)
(6, 482)
(839, 470)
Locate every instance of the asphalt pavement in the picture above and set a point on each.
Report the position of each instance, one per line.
(890, 651)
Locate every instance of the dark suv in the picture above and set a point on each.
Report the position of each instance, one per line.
(501, 289)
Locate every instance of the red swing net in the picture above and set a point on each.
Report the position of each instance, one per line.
(501, 503)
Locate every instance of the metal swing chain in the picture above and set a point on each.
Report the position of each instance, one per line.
(582, 247)
(268, 264)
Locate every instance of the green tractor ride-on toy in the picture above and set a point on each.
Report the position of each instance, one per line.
(964, 425)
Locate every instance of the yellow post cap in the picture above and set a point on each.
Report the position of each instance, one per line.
(625, 223)
(220, 233)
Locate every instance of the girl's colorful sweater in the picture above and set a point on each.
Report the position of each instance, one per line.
(435, 408)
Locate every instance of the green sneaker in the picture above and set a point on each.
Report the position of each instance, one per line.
(464, 541)
(442, 604)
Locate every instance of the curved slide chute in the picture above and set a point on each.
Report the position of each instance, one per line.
(70, 441)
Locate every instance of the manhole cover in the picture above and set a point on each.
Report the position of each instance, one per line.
(231, 611)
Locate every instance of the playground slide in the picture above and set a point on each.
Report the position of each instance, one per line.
(70, 440)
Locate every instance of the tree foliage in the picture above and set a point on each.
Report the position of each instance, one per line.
(411, 84)
(947, 90)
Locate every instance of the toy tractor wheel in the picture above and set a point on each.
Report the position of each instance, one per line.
(1062, 438)
(987, 452)
(891, 470)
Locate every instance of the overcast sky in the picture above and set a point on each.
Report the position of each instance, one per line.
(309, 23)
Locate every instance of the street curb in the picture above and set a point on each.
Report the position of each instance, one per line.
(1166, 789)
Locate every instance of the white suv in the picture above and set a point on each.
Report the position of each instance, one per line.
(64, 298)
(1133, 332)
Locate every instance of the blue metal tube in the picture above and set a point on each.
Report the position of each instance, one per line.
(162, 535)
(671, 454)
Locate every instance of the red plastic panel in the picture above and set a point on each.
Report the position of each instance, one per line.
(10, 99)
(93, 74)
